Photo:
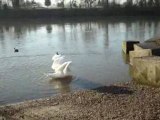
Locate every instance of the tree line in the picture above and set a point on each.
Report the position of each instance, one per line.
(84, 3)
(130, 3)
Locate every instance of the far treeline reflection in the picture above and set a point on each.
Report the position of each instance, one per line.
(17, 30)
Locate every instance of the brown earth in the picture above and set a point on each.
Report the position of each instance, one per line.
(116, 102)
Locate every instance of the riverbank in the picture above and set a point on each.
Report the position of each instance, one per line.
(77, 12)
(127, 101)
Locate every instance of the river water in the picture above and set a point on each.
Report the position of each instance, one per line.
(94, 46)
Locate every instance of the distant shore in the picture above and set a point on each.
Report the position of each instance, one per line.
(76, 12)
(127, 101)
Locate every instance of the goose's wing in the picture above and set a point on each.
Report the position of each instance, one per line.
(57, 62)
(61, 67)
(67, 69)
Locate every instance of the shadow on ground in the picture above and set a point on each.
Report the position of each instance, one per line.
(114, 90)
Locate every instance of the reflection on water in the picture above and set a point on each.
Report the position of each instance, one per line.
(49, 28)
(94, 46)
(62, 84)
(125, 57)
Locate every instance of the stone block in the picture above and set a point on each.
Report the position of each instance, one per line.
(147, 70)
(139, 53)
(154, 47)
(128, 46)
(137, 47)
(156, 52)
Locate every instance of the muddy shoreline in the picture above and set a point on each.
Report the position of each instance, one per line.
(127, 101)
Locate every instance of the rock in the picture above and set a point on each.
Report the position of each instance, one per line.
(147, 69)
(128, 46)
(154, 47)
(139, 53)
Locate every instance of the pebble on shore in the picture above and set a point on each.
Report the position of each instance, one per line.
(127, 101)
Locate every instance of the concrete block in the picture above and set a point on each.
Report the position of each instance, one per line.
(128, 46)
(139, 53)
(154, 47)
(147, 70)
(148, 45)
(156, 52)
(155, 39)
(137, 47)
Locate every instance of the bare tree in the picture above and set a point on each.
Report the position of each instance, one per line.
(73, 3)
(61, 4)
(47, 3)
(0, 4)
(130, 2)
(16, 3)
(150, 3)
(157, 3)
(89, 3)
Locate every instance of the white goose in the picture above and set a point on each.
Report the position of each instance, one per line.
(60, 66)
